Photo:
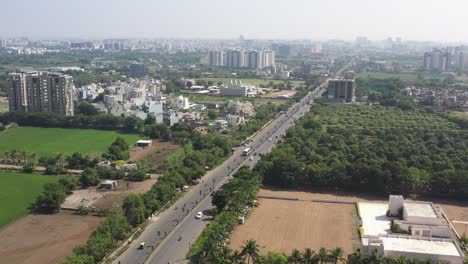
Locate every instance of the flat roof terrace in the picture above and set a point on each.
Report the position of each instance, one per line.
(420, 209)
(422, 246)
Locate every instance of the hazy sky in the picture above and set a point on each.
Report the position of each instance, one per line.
(306, 19)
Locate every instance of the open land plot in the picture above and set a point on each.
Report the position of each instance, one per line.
(216, 99)
(155, 153)
(17, 192)
(280, 225)
(454, 209)
(44, 238)
(255, 82)
(114, 199)
(51, 141)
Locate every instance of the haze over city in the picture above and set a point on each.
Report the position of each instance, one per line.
(234, 132)
(299, 19)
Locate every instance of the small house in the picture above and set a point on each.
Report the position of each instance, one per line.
(129, 167)
(108, 185)
(104, 165)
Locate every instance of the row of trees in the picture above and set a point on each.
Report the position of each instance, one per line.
(250, 254)
(230, 203)
(376, 149)
(184, 167)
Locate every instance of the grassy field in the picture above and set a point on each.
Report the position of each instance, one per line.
(406, 77)
(51, 141)
(18, 191)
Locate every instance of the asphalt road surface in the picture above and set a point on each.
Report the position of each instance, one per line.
(168, 236)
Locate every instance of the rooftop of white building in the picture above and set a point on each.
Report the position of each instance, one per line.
(420, 209)
(405, 244)
(376, 224)
(374, 218)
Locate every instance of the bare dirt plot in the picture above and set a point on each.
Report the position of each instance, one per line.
(93, 197)
(155, 153)
(44, 238)
(114, 199)
(454, 209)
(282, 225)
(289, 93)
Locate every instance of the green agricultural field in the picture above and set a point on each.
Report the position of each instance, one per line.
(51, 141)
(17, 192)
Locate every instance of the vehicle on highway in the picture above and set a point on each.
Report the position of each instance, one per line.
(230, 177)
(199, 215)
(251, 158)
(269, 139)
(142, 245)
(246, 151)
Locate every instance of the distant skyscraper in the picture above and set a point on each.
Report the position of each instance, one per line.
(2, 43)
(35, 91)
(437, 60)
(242, 59)
(137, 70)
(216, 58)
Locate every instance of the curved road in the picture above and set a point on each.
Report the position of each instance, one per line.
(169, 235)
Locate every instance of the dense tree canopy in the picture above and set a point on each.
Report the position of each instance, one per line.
(381, 149)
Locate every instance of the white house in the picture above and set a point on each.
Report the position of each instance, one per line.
(181, 102)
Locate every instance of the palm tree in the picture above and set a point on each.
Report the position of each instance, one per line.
(250, 251)
(336, 254)
(322, 255)
(226, 252)
(235, 257)
(295, 256)
(309, 257)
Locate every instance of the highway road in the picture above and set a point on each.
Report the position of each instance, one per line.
(169, 235)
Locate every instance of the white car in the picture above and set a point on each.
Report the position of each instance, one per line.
(199, 215)
(251, 158)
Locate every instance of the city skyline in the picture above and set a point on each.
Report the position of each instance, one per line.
(300, 19)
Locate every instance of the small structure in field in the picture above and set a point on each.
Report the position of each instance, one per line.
(104, 165)
(108, 185)
(144, 143)
(129, 167)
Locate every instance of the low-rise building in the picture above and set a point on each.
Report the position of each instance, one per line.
(129, 167)
(220, 124)
(408, 228)
(104, 165)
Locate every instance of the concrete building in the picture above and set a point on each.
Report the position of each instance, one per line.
(220, 124)
(216, 58)
(181, 102)
(2, 43)
(35, 91)
(240, 58)
(419, 230)
(437, 60)
(137, 70)
(342, 90)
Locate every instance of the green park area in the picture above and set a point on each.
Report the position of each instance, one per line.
(18, 191)
(405, 77)
(51, 141)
